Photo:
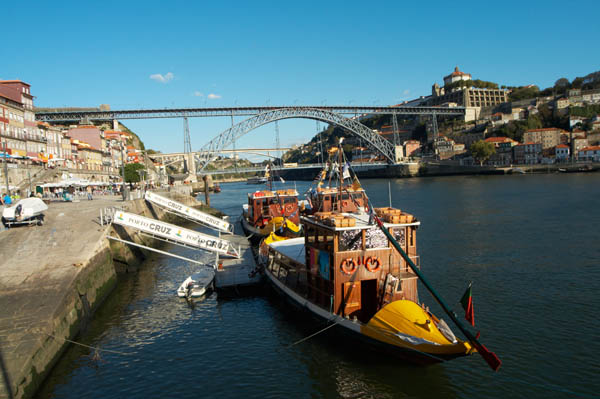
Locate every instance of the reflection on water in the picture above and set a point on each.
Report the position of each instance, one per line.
(528, 243)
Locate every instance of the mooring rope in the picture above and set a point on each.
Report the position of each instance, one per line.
(312, 335)
(96, 348)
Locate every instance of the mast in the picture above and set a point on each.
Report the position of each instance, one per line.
(340, 177)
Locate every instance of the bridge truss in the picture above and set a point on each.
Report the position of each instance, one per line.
(211, 150)
(49, 115)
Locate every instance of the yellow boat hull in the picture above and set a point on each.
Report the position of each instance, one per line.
(278, 223)
(406, 325)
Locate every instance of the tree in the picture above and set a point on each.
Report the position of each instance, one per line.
(561, 85)
(131, 172)
(521, 93)
(577, 83)
(482, 151)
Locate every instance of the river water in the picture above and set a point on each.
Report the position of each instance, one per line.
(529, 244)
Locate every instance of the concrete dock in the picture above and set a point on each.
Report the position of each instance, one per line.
(237, 275)
(46, 286)
(53, 277)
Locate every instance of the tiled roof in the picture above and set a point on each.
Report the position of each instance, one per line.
(497, 139)
(562, 146)
(14, 81)
(591, 148)
(546, 129)
(11, 93)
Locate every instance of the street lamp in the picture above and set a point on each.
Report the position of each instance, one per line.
(123, 174)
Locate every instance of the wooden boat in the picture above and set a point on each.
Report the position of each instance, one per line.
(359, 271)
(271, 211)
(344, 270)
(327, 199)
(196, 285)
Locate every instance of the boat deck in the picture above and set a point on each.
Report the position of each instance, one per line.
(361, 219)
(292, 248)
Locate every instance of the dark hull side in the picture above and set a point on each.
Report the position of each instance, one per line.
(253, 234)
(350, 337)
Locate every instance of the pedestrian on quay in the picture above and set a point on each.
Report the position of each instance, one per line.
(7, 199)
(89, 193)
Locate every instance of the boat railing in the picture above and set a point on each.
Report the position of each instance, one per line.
(304, 282)
(416, 260)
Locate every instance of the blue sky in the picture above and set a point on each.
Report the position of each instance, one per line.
(270, 53)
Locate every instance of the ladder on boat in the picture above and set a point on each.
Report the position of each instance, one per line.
(390, 285)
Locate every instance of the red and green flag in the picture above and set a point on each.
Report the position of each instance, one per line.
(467, 303)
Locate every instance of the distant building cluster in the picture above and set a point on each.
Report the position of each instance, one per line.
(486, 110)
(79, 147)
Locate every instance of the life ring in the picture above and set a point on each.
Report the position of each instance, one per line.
(373, 264)
(289, 208)
(348, 266)
(344, 203)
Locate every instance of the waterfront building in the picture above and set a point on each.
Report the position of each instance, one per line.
(443, 144)
(468, 138)
(90, 158)
(504, 150)
(593, 138)
(591, 153)
(577, 134)
(12, 121)
(411, 147)
(67, 154)
(527, 153)
(578, 144)
(387, 132)
(87, 133)
(562, 152)
(547, 137)
(107, 165)
(363, 154)
(20, 93)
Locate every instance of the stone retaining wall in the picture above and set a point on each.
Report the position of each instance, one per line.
(41, 341)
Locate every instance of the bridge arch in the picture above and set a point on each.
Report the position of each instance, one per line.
(210, 151)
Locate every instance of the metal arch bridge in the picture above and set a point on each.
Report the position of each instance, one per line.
(209, 152)
(76, 115)
(259, 117)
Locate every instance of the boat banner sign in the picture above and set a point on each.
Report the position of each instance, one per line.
(173, 232)
(192, 213)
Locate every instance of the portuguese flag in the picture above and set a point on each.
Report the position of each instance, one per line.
(467, 303)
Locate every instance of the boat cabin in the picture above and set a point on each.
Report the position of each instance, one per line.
(265, 205)
(326, 200)
(350, 267)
